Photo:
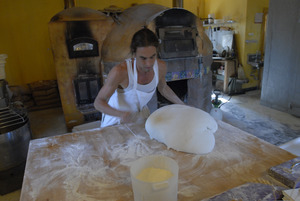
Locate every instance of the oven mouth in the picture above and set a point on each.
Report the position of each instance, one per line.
(82, 47)
(177, 31)
(180, 88)
(86, 89)
(177, 42)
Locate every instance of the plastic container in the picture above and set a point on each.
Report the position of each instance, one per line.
(211, 18)
(216, 113)
(154, 191)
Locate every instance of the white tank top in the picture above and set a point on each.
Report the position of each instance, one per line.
(134, 98)
(147, 87)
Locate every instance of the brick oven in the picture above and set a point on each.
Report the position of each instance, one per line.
(183, 46)
(87, 43)
(76, 36)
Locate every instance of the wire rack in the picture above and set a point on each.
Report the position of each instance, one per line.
(11, 118)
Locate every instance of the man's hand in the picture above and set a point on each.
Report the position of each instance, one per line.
(129, 117)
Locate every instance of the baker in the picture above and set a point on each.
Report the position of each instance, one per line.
(131, 84)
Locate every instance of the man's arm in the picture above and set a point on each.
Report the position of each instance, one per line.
(116, 77)
(163, 88)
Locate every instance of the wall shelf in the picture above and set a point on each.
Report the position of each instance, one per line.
(219, 24)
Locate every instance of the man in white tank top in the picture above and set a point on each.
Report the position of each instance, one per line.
(131, 84)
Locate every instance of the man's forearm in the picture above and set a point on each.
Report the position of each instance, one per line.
(125, 116)
(103, 107)
(169, 94)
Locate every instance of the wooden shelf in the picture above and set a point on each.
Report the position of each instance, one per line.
(219, 24)
(229, 70)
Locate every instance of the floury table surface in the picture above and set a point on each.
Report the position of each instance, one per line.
(94, 164)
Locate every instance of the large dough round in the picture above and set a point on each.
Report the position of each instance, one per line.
(183, 128)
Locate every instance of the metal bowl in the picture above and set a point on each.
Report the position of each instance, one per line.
(15, 136)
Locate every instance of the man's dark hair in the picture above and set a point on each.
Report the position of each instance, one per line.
(143, 38)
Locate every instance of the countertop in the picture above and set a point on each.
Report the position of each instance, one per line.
(94, 164)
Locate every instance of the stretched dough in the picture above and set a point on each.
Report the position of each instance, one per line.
(183, 128)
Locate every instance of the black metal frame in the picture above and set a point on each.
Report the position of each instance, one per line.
(90, 96)
(177, 42)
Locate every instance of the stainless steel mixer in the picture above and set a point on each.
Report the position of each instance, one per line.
(15, 136)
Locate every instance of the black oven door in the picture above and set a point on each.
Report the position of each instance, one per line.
(177, 42)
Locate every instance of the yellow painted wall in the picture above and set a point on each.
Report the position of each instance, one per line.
(231, 9)
(242, 11)
(194, 6)
(253, 36)
(24, 38)
(24, 35)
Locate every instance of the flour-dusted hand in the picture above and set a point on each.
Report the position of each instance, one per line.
(135, 117)
(129, 117)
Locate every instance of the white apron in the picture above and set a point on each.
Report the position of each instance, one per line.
(131, 99)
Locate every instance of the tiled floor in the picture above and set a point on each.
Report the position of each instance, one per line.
(243, 111)
(45, 123)
(14, 196)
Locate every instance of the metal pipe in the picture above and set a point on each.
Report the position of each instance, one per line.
(69, 3)
(178, 3)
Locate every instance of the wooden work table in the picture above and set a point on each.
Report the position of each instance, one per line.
(94, 164)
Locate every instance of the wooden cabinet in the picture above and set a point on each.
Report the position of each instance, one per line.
(225, 74)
